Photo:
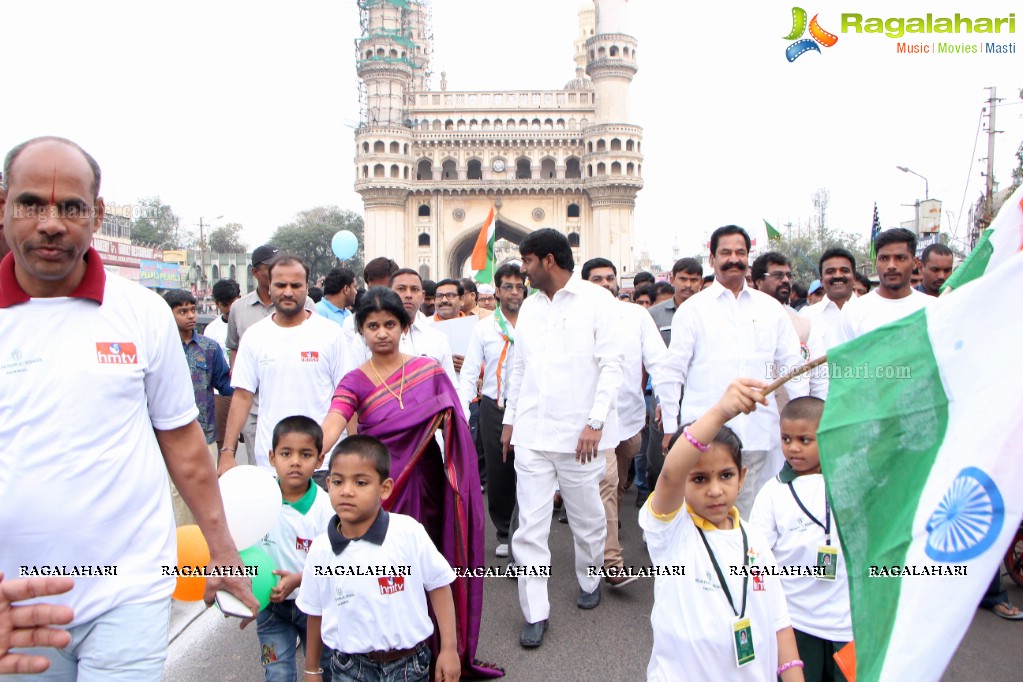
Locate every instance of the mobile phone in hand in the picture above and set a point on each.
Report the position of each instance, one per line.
(231, 605)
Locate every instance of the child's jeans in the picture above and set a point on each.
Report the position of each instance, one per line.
(358, 668)
(278, 627)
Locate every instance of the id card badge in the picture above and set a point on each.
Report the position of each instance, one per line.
(827, 562)
(742, 640)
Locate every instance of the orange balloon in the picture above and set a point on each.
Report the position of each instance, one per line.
(193, 556)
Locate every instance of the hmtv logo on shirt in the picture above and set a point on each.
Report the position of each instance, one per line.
(303, 544)
(310, 356)
(116, 353)
(391, 584)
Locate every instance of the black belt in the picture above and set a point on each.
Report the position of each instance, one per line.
(391, 654)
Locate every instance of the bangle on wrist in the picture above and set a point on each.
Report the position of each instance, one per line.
(228, 449)
(314, 672)
(796, 663)
(692, 440)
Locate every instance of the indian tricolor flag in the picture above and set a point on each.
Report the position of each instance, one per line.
(922, 447)
(483, 253)
(996, 244)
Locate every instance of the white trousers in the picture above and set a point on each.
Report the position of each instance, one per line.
(761, 466)
(537, 474)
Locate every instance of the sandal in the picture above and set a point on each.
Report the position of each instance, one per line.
(1007, 611)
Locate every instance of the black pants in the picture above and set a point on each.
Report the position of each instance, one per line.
(500, 475)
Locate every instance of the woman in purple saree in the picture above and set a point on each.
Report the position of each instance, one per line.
(403, 400)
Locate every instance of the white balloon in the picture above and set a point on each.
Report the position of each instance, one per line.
(252, 503)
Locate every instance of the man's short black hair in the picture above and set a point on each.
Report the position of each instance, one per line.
(315, 294)
(336, 280)
(452, 282)
(178, 297)
(690, 266)
(864, 280)
(507, 271)
(366, 448)
(429, 288)
(896, 235)
(764, 260)
(469, 286)
(707, 279)
(594, 263)
(287, 259)
(644, 289)
(799, 290)
(934, 249)
(405, 271)
(836, 252)
(662, 288)
(298, 424)
(724, 231)
(548, 241)
(226, 290)
(379, 269)
(643, 277)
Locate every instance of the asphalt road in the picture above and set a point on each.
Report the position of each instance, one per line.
(611, 642)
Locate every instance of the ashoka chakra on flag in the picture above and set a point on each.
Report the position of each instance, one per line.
(968, 519)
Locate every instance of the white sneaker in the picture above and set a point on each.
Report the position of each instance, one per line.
(502, 550)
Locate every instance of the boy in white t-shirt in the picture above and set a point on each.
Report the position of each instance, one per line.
(296, 454)
(367, 579)
(793, 513)
(725, 618)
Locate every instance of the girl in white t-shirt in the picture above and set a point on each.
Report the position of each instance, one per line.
(793, 513)
(725, 618)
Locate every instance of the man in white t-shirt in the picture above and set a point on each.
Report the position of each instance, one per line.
(294, 358)
(97, 408)
(838, 277)
(895, 298)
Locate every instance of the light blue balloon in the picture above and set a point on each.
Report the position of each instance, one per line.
(344, 244)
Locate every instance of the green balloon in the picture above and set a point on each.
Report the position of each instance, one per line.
(263, 578)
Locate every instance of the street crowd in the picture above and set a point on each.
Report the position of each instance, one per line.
(391, 450)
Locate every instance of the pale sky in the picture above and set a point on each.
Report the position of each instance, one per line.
(245, 109)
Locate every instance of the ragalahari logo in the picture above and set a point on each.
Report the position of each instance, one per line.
(817, 35)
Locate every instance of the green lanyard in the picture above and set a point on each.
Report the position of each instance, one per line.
(499, 316)
(721, 576)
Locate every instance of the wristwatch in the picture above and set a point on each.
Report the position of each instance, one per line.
(595, 424)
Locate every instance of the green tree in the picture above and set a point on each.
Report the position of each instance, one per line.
(310, 234)
(157, 225)
(226, 239)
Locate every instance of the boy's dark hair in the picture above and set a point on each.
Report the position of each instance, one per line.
(405, 271)
(759, 268)
(451, 282)
(690, 266)
(336, 280)
(226, 290)
(864, 280)
(663, 288)
(366, 448)
(896, 235)
(645, 289)
(507, 271)
(724, 231)
(178, 297)
(298, 424)
(725, 437)
(836, 252)
(806, 408)
(594, 263)
(316, 294)
(379, 268)
(642, 277)
(380, 299)
(937, 250)
(548, 241)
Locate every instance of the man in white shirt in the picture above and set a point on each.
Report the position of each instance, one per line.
(97, 409)
(838, 275)
(727, 331)
(643, 349)
(294, 358)
(420, 339)
(772, 275)
(560, 416)
(492, 346)
(225, 293)
(895, 297)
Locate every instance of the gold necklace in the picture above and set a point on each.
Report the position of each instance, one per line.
(401, 386)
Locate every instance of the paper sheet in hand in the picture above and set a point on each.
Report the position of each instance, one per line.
(458, 331)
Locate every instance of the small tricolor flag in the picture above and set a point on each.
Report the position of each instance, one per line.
(483, 253)
(875, 229)
(996, 244)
